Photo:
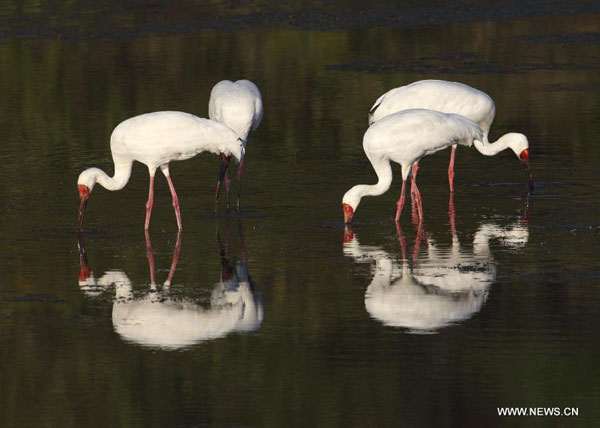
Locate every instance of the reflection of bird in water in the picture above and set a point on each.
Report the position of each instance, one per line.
(161, 320)
(458, 98)
(156, 139)
(404, 138)
(239, 106)
(426, 292)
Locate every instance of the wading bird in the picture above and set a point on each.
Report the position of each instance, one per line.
(239, 106)
(457, 98)
(155, 139)
(405, 137)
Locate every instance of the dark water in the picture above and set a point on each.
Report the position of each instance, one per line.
(270, 319)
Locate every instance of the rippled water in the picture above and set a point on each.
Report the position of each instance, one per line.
(279, 316)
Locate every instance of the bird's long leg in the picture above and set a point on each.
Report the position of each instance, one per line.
(227, 187)
(451, 168)
(419, 201)
(150, 201)
(165, 170)
(239, 174)
(414, 169)
(400, 202)
(224, 164)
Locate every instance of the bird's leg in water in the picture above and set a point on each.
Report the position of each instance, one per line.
(227, 187)
(400, 202)
(239, 174)
(417, 196)
(222, 171)
(149, 203)
(451, 169)
(413, 172)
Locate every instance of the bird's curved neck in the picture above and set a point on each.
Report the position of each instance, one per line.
(383, 170)
(117, 181)
(491, 149)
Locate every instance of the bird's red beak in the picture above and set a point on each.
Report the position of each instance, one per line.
(524, 158)
(348, 213)
(84, 195)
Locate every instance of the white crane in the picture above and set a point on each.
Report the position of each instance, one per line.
(405, 137)
(457, 98)
(239, 106)
(155, 139)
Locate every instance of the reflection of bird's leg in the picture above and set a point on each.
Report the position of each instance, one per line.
(451, 169)
(418, 238)
(526, 210)
(413, 172)
(242, 243)
(176, 251)
(401, 241)
(222, 172)
(349, 232)
(150, 256)
(84, 268)
(451, 215)
(226, 271)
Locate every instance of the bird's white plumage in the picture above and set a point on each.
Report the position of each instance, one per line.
(408, 135)
(405, 137)
(160, 137)
(155, 139)
(237, 105)
(440, 95)
(450, 97)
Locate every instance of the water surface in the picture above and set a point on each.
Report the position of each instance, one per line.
(278, 316)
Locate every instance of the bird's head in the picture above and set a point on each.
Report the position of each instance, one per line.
(350, 202)
(520, 145)
(85, 184)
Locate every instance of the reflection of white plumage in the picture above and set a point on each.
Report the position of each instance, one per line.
(162, 321)
(239, 106)
(158, 319)
(439, 289)
(452, 97)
